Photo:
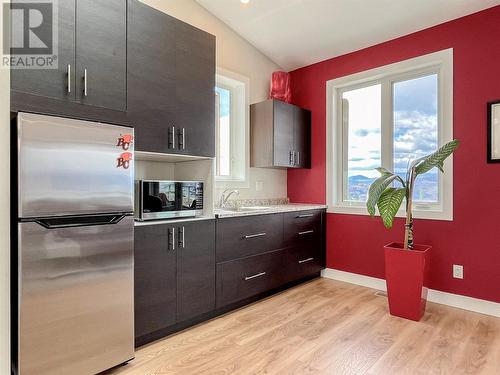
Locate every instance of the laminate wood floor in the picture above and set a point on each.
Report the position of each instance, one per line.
(327, 327)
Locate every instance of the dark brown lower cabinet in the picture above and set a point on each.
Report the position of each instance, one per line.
(303, 260)
(257, 254)
(240, 237)
(195, 269)
(174, 274)
(243, 278)
(155, 280)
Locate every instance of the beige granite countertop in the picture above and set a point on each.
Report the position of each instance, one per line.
(263, 210)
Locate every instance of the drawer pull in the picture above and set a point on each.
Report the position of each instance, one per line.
(306, 232)
(304, 216)
(255, 276)
(305, 260)
(254, 235)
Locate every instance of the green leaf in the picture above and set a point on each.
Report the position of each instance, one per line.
(436, 159)
(389, 204)
(383, 171)
(376, 189)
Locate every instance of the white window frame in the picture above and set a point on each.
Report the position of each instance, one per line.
(239, 86)
(440, 63)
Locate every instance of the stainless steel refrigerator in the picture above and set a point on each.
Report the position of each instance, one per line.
(75, 246)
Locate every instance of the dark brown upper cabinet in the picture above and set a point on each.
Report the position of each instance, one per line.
(91, 59)
(101, 53)
(171, 82)
(280, 135)
(195, 90)
(302, 137)
(54, 83)
(151, 77)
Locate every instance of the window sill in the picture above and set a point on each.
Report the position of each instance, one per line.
(417, 214)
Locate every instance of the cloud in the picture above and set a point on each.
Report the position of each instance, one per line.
(419, 94)
(415, 135)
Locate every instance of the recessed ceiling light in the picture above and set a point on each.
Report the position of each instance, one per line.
(245, 1)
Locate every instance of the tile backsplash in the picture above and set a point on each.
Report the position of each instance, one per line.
(235, 203)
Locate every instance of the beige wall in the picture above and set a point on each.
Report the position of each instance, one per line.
(4, 215)
(237, 55)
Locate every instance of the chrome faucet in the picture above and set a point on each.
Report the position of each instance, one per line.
(223, 198)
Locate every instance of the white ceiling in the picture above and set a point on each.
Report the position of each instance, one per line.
(296, 33)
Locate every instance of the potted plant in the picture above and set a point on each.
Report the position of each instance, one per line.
(406, 264)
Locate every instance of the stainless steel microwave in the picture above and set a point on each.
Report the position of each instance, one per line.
(168, 199)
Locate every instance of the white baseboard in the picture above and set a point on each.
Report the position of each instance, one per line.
(449, 299)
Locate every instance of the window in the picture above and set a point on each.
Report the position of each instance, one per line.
(223, 121)
(231, 120)
(386, 117)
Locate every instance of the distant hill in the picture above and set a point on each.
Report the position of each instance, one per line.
(425, 189)
(360, 178)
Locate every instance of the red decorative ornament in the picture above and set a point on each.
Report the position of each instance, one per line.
(124, 141)
(280, 87)
(123, 161)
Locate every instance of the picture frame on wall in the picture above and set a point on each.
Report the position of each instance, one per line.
(493, 132)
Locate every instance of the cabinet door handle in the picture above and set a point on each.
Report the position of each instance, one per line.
(85, 78)
(255, 276)
(173, 137)
(254, 235)
(306, 232)
(182, 238)
(305, 260)
(304, 216)
(183, 139)
(298, 158)
(172, 238)
(69, 78)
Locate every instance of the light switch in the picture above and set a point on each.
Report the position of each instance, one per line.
(259, 185)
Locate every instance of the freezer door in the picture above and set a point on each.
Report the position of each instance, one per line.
(76, 298)
(73, 167)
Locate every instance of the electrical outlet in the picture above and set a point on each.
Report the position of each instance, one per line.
(259, 185)
(458, 271)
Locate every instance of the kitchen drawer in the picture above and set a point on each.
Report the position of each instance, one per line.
(302, 227)
(303, 260)
(243, 278)
(241, 237)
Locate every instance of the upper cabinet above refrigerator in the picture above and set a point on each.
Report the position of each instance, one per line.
(91, 60)
(280, 135)
(101, 53)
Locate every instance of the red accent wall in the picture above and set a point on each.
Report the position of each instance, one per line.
(355, 243)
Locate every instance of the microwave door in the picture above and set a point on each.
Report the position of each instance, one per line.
(160, 199)
(188, 201)
(192, 196)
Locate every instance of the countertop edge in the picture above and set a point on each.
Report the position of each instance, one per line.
(271, 211)
(172, 221)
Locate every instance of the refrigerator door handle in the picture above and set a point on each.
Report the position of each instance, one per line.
(83, 221)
